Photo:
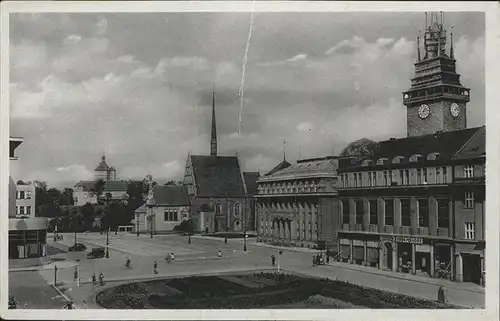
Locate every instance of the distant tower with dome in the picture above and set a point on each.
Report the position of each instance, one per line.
(104, 171)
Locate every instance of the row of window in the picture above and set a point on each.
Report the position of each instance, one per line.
(295, 187)
(236, 206)
(170, 216)
(288, 207)
(21, 195)
(394, 177)
(23, 210)
(388, 217)
(401, 177)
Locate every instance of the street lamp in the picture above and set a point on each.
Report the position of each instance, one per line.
(150, 201)
(245, 242)
(107, 242)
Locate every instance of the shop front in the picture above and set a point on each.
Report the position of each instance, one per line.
(359, 249)
(469, 258)
(28, 237)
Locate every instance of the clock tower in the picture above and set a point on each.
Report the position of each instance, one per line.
(436, 101)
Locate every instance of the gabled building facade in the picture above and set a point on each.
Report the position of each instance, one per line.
(221, 194)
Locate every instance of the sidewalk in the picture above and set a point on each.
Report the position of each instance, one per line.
(48, 266)
(410, 277)
(284, 248)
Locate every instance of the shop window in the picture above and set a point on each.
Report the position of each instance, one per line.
(469, 200)
(470, 231)
(345, 211)
(443, 213)
(423, 213)
(359, 212)
(389, 212)
(469, 171)
(405, 212)
(373, 212)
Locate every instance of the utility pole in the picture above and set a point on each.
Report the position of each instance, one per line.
(107, 242)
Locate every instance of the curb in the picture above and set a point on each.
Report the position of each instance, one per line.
(292, 249)
(403, 278)
(169, 276)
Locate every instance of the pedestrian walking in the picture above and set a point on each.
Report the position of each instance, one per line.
(273, 259)
(101, 279)
(84, 304)
(75, 274)
(94, 279)
(219, 253)
(327, 259)
(441, 296)
(155, 268)
(172, 256)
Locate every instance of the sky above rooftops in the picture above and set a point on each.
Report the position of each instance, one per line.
(137, 86)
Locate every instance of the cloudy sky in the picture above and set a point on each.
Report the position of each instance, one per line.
(137, 86)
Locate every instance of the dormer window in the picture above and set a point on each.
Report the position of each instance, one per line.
(382, 161)
(433, 156)
(397, 159)
(367, 162)
(415, 158)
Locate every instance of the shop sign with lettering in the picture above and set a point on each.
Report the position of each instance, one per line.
(413, 240)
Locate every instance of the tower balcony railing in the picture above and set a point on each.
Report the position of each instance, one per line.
(414, 99)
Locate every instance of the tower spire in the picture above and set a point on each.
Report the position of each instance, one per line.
(452, 55)
(418, 47)
(284, 149)
(213, 137)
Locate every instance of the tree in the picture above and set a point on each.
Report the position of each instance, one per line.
(88, 213)
(115, 214)
(185, 226)
(67, 197)
(171, 182)
(98, 189)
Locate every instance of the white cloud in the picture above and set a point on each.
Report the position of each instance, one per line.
(298, 57)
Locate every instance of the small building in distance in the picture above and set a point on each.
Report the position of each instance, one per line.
(114, 190)
(25, 200)
(171, 209)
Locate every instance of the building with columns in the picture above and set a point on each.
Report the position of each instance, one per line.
(295, 203)
(416, 204)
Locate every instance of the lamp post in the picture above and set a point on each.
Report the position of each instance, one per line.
(150, 202)
(75, 237)
(107, 242)
(245, 241)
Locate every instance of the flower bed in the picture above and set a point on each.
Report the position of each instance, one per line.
(274, 290)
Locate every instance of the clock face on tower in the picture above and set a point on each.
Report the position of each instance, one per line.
(423, 111)
(455, 110)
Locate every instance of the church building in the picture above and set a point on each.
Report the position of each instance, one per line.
(416, 204)
(221, 194)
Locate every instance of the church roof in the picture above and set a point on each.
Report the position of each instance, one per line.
(281, 165)
(172, 195)
(218, 176)
(251, 182)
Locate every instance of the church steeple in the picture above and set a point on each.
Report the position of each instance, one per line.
(213, 137)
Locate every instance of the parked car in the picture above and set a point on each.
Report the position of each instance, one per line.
(96, 253)
(78, 247)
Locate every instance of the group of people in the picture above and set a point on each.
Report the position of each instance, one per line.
(318, 259)
(170, 257)
(94, 279)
